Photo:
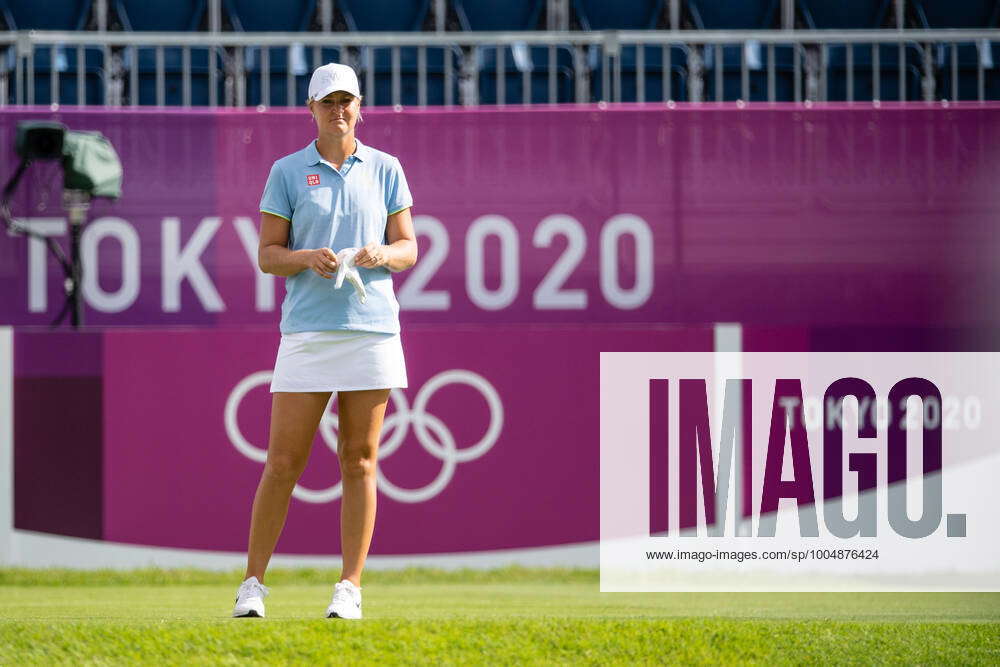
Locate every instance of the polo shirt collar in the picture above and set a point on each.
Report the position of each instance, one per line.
(312, 154)
(362, 151)
(313, 157)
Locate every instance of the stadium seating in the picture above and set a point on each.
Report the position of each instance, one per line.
(398, 16)
(845, 14)
(518, 62)
(58, 15)
(729, 15)
(968, 57)
(959, 13)
(862, 14)
(162, 15)
(864, 73)
(633, 15)
(269, 16)
(386, 15)
(745, 15)
(62, 15)
(964, 14)
(173, 16)
(524, 73)
(63, 64)
(499, 15)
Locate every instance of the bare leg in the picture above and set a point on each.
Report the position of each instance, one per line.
(294, 419)
(361, 414)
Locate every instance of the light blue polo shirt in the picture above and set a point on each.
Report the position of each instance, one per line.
(337, 209)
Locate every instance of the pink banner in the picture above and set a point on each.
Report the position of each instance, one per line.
(835, 227)
(493, 446)
(835, 215)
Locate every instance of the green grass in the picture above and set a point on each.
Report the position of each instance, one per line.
(513, 615)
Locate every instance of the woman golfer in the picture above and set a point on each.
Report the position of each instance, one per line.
(335, 209)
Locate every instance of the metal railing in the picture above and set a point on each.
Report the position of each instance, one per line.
(592, 66)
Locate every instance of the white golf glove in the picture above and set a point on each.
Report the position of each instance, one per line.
(347, 270)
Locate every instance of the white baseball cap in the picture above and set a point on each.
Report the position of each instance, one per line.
(332, 77)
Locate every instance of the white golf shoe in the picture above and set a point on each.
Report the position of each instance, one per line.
(346, 601)
(250, 599)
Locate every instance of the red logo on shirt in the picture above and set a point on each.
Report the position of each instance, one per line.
(312, 179)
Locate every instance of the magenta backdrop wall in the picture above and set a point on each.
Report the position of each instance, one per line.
(547, 235)
(772, 215)
(518, 473)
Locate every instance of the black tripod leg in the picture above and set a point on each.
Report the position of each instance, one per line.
(68, 272)
(75, 297)
(67, 304)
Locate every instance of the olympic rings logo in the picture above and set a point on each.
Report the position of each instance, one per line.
(432, 434)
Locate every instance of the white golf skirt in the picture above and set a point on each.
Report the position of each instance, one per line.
(339, 361)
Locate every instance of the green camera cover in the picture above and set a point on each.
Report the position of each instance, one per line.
(90, 163)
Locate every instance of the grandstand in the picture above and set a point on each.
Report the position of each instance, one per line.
(238, 53)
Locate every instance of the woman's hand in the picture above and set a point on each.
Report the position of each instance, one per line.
(371, 256)
(323, 261)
